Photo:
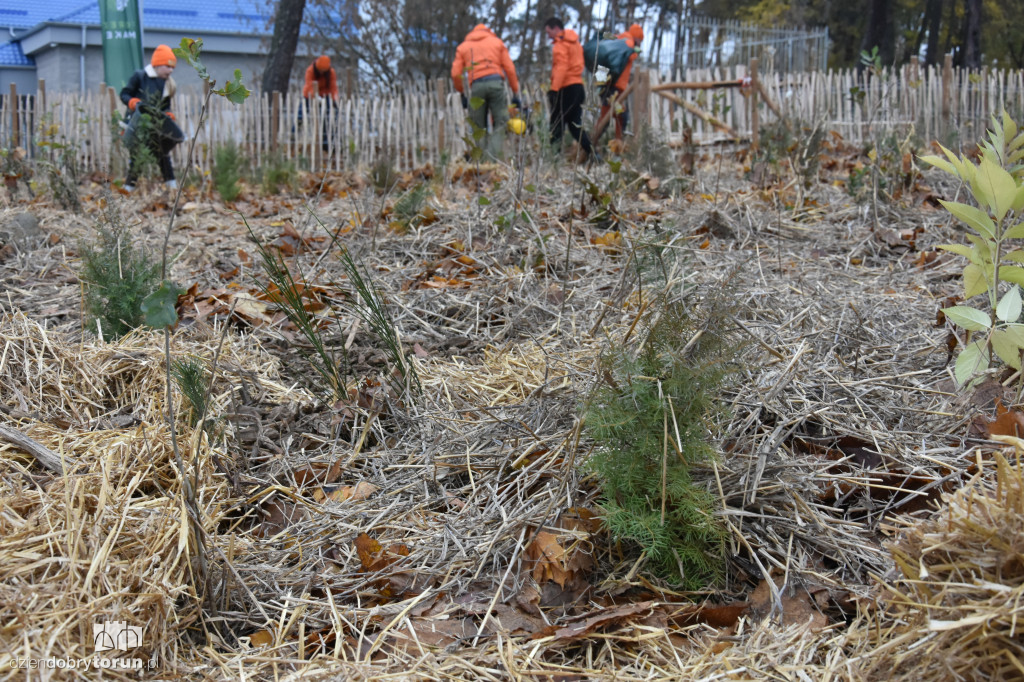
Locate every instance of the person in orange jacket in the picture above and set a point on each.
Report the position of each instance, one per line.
(566, 95)
(322, 74)
(322, 82)
(148, 93)
(633, 36)
(483, 60)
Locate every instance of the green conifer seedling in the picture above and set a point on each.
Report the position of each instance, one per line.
(651, 419)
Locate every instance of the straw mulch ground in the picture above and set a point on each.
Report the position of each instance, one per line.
(452, 536)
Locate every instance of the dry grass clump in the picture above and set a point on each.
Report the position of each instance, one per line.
(52, 378)
(107, 543)
(503, 376)
(110, 540)
(956, 611)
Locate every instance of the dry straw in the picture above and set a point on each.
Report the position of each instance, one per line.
(833, 431)
(109, 541)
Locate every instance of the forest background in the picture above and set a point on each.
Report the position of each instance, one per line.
(391, 40)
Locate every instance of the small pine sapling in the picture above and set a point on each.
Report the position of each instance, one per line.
(651, 420)
(117, 277)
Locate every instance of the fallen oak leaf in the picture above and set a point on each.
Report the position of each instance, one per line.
(373, 556)
(278, 515)
(1008, 422)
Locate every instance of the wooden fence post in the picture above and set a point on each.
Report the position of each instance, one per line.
(755, 122)
(947, 84)
(983, 84)
(112, 99)
(40, 106)
(15, 129)
(643, 98)
(275, 118)
(314, 105)
(442, 115)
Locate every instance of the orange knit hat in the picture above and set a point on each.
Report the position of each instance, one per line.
(162, 56)
(637, 31)
(323, 62)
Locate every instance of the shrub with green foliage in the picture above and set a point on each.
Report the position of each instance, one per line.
(117, 276)
(383, 175)
(995, 256)
(651, 421)
(140, 151)
(60, 162)
(408, 206)
(278, 172)
(227, 170)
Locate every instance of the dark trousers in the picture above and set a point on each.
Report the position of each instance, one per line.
(161, 135)
(567, 111)
(621, 114)
(163, 160)
(326, 114)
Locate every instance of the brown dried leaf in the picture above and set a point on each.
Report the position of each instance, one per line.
(798, 607)
(1007, 422)
(310, 475)
(369, 551)
(435, 632)
(547, 557)
(374, 557)
(356, 493)
(261, 638)
(278, 515)
(582, 626)
(610, 240)
(716, 615)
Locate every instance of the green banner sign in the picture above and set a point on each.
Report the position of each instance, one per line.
(122, 40)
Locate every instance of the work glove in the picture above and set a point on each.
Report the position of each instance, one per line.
(465, 101)
(518, 103)
(132, 103)
(552, 99)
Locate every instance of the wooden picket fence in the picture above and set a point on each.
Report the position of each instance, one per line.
(423, 123)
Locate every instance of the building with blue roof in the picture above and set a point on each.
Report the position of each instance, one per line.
(59, 41)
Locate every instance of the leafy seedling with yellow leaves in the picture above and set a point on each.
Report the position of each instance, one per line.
(996, 259)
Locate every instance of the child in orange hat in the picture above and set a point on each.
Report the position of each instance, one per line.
(151, 123)
(322, 81)
(321, 73)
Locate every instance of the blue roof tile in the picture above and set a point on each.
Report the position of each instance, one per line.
(11, 55)
(229, 16)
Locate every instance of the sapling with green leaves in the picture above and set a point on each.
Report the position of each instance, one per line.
(995, 265)
(159, 307)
